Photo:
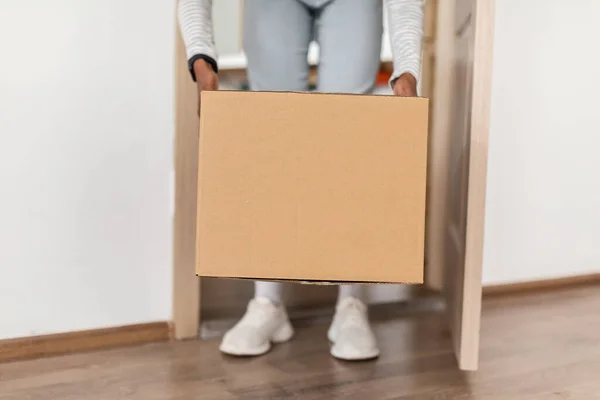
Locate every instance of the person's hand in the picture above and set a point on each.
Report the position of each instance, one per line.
(405, 86)
(206, 78)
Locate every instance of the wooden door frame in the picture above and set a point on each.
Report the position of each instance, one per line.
(483, 31)
(440, 108)
(466, 330)
(186, 285)
(439, 132)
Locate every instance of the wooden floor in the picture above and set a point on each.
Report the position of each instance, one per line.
(537, 346)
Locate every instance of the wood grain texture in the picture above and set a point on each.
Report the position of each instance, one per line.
(542, 346)
(428, 54)
(439, 137)
(429, 23)
(479, 127)
(186, 286)
(63, 343)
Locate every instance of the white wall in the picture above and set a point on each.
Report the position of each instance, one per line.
(543, 199)
(86, 131)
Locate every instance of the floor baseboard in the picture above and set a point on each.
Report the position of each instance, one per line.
(80, 341)
(546, 284)
(96, 339)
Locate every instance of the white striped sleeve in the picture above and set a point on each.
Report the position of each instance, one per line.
(405, 22)
(195, 21)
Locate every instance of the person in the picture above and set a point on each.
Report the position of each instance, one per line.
(277, 34)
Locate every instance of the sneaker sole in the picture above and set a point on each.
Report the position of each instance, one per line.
(354, 356)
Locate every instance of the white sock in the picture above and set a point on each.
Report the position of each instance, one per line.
(356, 291)
(271, 290)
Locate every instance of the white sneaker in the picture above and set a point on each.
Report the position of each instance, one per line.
(351, 333)
(264, 323)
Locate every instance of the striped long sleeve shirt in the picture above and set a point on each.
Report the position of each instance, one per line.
(405, 24)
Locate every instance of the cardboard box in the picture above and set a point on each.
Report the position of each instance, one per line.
(312, 187)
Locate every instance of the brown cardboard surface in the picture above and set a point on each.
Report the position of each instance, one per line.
(311, 187)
